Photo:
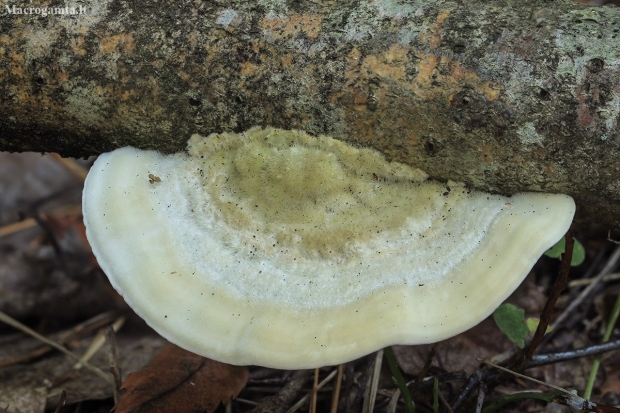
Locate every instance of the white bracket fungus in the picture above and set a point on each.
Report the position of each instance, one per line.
(279, 249)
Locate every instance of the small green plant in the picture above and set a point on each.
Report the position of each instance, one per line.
(399, 379)
(510, 319)
(579, 253)
(532, 325)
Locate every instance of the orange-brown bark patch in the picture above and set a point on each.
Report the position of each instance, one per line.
(433, 36)
(389, 64)
(460, 74)
(293, 24)
(40, 42)
(192, 39)
(122, 42)
(432, 82)
(77, 46)
(126, 94)
(286, 60)
(487, 154)
(249, 68)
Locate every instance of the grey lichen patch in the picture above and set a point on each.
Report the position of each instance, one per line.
(589, 15)
(368, 19)
(274, 8)
(361, 25)
(599, 26)
(398, 8)
(226, 17)
(610, 114)
(85, 104)
(39, 43)
(613, 191)
(528, 134)
(94, 12)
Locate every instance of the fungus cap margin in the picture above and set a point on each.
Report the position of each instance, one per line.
(232, 288)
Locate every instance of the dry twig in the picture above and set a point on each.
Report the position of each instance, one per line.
(427, 364)
(115, 366)
(558, 286)
(371, 391)
(609, 266)
(5, 318)
(587, 281)
(336, 394)
(301, 402)
(72, 166)
(279, 402)
(61, 402)
(315, 391)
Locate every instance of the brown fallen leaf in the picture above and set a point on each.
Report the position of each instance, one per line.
(611, 384)
(61, 223)
(178, 381)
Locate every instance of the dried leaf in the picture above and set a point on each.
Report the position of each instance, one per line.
(61, 223)
(178, 381)
(611, 384)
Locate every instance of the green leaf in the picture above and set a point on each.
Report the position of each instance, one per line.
(532, 325)
(509, 319)
(579, 252)
(399, 379)
(557, 250)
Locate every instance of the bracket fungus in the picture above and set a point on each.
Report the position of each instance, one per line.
(280, 249)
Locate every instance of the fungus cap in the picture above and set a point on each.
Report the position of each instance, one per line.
(279, 249)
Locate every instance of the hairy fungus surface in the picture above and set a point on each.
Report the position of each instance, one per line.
(276, 248)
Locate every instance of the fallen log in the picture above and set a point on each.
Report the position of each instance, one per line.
(503, 96)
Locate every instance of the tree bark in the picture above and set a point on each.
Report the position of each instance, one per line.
(504, 98)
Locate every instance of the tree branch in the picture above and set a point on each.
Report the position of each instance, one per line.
(503, 96)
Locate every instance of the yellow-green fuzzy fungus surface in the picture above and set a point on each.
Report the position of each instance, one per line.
(279, 249)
